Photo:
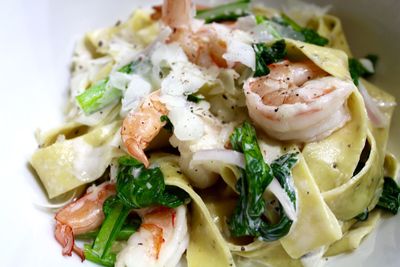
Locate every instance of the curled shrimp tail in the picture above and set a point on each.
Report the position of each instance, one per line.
(140, 127)
(81, 216)
(136, 150)
(64, 235)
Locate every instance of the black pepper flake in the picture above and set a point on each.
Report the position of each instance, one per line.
(118, 23)
(178, 172)
(308, 192)
(224, 97)
(308, 78)
(242, 249)
(334, 165)
(276, 110)
(301, 47)
(349, 145)
(140, 244)
(100, 44)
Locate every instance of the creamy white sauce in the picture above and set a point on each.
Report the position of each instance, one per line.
(184, 79)
(88, 162)
(238, 46)
(187, 126)
(166, 54)
(314, 258)
(137, 90)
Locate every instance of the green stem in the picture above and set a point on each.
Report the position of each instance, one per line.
(107, 261)
(225, 12)
(97, 97)
(124, 234)
(99, 252)
(110, 228)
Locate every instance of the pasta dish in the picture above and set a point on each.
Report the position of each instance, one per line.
(233, 135)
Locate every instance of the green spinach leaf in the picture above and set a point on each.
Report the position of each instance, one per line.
(248, 219)
(390, 198)
(266, 55)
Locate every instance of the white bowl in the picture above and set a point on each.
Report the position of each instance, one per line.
(37, 38)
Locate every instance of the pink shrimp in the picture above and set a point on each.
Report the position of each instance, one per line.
(298, 101)
(140, 127)
(81, 216)
(155, 222)
(203, 46)
(160, 241)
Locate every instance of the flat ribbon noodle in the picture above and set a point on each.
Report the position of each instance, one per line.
(206, 242)
(331, 27)
(55, 163)
(332, 161)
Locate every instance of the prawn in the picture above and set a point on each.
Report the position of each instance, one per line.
(298, 101)
(81, 216)
(202, 44)
(140, 127)
(160, 241)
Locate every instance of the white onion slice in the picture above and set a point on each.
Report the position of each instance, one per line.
(223, 155)
(275, 188)
(376, 116)
(384, 104)
(367, 64)
(71, 196)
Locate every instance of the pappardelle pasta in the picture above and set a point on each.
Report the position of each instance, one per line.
(235, 135)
